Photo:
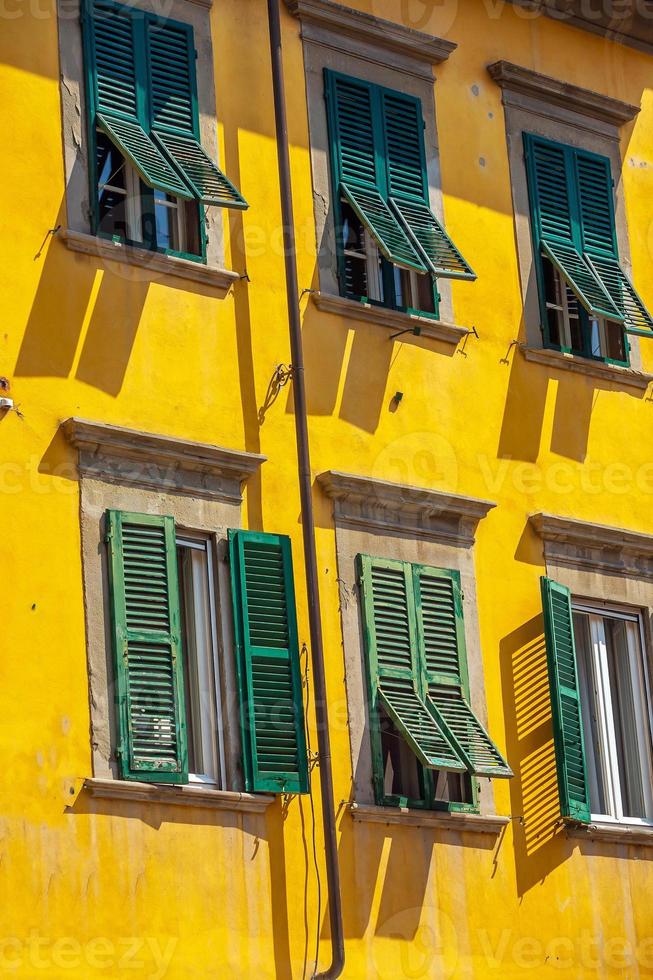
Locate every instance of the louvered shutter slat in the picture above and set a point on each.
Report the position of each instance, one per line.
(565, 701)
(147, 647)
(442, 638)
(595, 203)
(625, 297)
(393, 665)
(407, 185)
(437, 250)
(174, 115)
(382, 224)
(134, 144)
(582, 279)
(272, 713)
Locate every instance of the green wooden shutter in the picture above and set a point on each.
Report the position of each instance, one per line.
(441, 635)
(394, 675)
(632, 310)
(147, 647)
(565, 701)
(357, 160)
(272, 708)
(407, 183)
(174, 113)
(114, 45)
(553, 194)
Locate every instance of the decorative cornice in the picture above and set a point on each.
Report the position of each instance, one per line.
(384, 34)
(514, 78)
(477, 823)
(189, 795)
(115, 454)
(568, 541)
(423, 326)
(622, 376)
(367, 503)
(156, 265)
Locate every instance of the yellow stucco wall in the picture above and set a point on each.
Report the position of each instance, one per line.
(86, 889)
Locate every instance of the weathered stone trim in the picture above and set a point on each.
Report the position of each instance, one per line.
(514, 78)
(115, 454)
(187, 795)
(613, 833)
(447, 333)
(623, 376)
(430, 819)
(568, 541)
(383, 34)
(366, 502)
(160, 266)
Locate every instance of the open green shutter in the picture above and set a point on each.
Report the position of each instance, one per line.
(392, 657)
(431, 241)
(565, 701)
(407, 183)
(582, 279)
(147, 647)
(442, 641)
(174, 112)
(598, 230)
(553, 193)
(382, 224)
(114, 38)
(272, 708)
(357, 159)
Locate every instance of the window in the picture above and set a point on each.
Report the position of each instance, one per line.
(202, 689)
(150, 177)
(169, 711)
(391, 248)
(427, 743)
(601, 709)
(587, 303)
(614, 706)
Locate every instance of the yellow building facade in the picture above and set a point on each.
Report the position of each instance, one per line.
(144, 326)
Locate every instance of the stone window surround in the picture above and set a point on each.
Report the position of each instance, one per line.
(201, 486)
(388, 54)
(557, 110)
(75, 144)
(391, 520)
(610, 565)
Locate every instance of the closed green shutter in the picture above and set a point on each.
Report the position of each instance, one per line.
(272, 712)
(565, 701)
(441, 634)
(394, 673)
(113, 38)
(147, 647)
(408, 193)
(174, 112)
(572, 214)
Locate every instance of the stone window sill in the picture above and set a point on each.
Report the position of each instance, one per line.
(626, 377)
(430, 819)
(616, 833)
(191, 794)
(158, 266)
(447, 333)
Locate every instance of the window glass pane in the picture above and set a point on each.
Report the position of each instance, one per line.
(353, 243)
(452, 787)
(191, 224)
(590, 710)
(402, 772)
(167, 221)
(615, 341)
(629, 744)
(198, 650)
(595, 337)
(112, 189)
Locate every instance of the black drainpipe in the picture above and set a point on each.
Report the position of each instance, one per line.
(305, 488)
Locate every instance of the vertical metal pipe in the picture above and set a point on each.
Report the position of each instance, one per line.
(305, 487)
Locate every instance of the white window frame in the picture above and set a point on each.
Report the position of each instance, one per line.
(608, 758)
(198, 542)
